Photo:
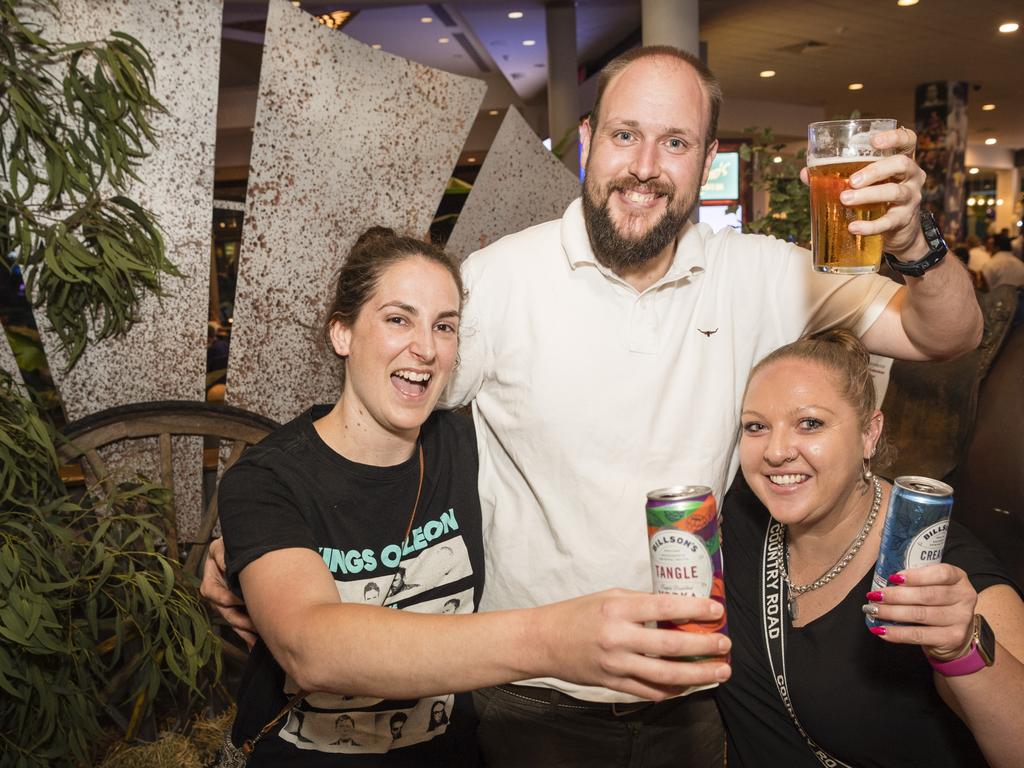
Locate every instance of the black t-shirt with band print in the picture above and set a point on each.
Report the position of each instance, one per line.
(292, 490)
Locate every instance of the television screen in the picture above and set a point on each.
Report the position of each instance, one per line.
(724, 178)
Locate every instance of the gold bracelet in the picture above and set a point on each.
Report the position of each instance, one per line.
(964, 649)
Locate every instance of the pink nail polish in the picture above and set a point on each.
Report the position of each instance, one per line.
(897, 578)
(875, 596)
(877, 631)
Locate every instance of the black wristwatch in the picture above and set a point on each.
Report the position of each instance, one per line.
(937, 249)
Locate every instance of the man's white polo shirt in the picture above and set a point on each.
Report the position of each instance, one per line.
(587, 394)
(1003, 268)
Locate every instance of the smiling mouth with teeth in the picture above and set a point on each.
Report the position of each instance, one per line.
(410, 382)
(787, 479)
(639, 197)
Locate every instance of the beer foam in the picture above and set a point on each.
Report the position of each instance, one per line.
(857, 146)
(861, 142)
(816, 161)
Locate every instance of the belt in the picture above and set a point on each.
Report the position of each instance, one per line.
(558, 699)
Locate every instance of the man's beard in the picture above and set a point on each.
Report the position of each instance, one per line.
(621, 253)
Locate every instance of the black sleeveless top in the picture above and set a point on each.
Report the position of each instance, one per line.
(867, 702)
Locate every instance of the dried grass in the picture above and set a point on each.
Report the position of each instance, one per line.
(175, 750)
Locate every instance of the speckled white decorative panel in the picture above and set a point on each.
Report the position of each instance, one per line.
(520, 184)
(8, 363)
(346, 137)
(163, 357)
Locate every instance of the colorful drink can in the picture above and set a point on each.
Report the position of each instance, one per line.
(686, 548)
(915, 529)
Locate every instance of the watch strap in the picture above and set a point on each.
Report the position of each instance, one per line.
(967, 664)
(936, 249)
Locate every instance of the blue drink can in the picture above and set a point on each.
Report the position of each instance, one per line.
(915, 529)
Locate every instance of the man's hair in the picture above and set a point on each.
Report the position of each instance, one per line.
(1002, 242)
(399, 717)
(712, 88)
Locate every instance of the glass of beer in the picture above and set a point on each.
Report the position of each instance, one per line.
(836, 149)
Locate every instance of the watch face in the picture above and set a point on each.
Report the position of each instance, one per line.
(931, 231)
(986, 640)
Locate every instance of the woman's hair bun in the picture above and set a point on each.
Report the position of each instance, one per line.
(371, 235)
(844, 337)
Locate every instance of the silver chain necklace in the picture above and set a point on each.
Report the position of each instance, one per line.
(794, 590)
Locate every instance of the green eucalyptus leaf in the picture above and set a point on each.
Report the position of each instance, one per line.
(76, 121)
(67, 135)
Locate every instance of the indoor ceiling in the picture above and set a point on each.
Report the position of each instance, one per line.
(816, 47)
(819, 47)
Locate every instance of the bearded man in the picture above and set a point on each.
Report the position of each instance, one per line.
(606, 354)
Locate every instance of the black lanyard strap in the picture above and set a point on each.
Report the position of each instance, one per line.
(773, 628)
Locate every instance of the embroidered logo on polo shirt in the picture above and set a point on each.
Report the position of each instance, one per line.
(707, 333)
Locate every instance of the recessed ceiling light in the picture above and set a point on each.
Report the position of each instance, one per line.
(528, 43)
(990, 140)
(376, 46)
(426, 19)
(470, 159)
(515, 14)
(990, 201)
(906, 3)
(973, 171)
(443, 40)
(777, 159)
(855, 86)
(987, 107)
(971, 201)
(1010, 26)
(767, 73)
(492, 112)
(999, 201)
(334, 19)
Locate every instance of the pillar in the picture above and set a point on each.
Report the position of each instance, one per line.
(671, 22)
(940, 116)
(563, 82)
(1007, 190)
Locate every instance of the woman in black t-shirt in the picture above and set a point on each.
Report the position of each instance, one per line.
(801, 535)
(352, 510)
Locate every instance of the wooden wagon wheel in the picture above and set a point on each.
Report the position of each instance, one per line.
(240, 428)
(161, 420)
